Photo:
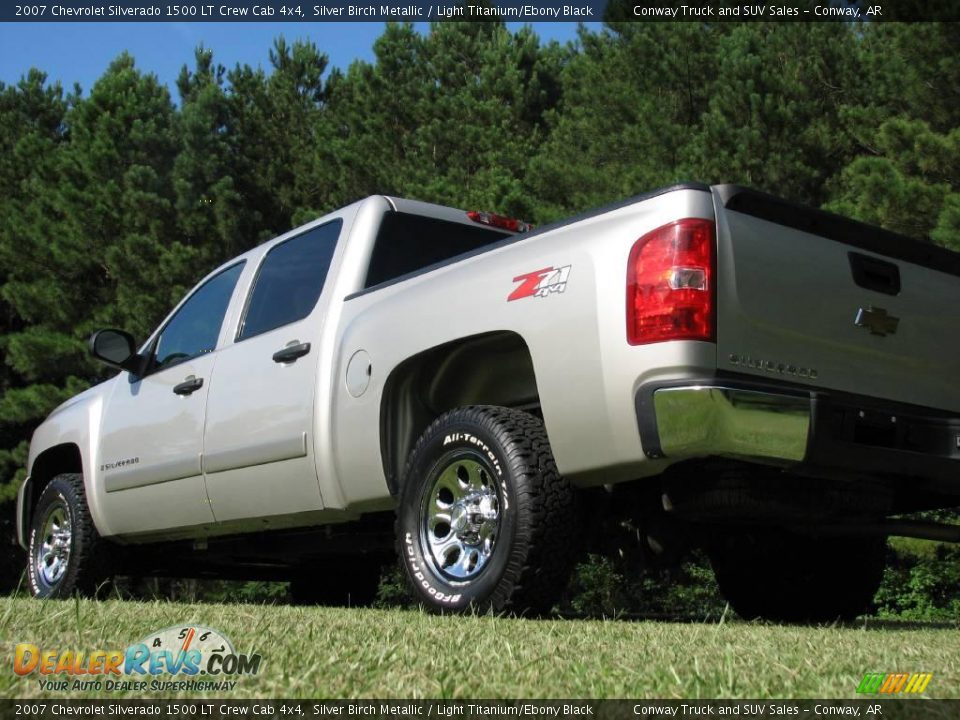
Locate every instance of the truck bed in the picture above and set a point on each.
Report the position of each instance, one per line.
(846, 317)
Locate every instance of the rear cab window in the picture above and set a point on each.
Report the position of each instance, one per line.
(408, 243)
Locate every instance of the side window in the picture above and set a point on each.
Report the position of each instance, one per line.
(194, 329)
(290, 280)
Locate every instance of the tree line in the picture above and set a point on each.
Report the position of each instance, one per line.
(116, 199)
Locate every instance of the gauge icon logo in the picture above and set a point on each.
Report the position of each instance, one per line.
(188, 650)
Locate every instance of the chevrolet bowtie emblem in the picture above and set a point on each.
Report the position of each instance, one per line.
(876, 321)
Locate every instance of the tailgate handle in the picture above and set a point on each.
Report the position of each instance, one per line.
(875, 274)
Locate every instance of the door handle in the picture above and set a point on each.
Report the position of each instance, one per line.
(290, 353)
(188, 386)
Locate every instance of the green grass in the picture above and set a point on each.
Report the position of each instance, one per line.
(347, 653)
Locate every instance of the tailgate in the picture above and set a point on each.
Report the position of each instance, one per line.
(814, 298)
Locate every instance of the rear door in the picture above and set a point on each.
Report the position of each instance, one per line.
(814, 298)
(258, 444)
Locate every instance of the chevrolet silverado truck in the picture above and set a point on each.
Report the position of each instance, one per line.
(709, 365)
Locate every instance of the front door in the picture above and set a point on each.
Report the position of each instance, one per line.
(149, 460)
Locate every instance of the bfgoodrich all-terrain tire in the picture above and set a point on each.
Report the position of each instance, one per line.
(65, 554)
(485, 521)
(795, 578)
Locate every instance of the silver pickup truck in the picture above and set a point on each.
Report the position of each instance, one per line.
(709, 365)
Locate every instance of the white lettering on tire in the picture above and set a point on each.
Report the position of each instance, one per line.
(479, 444)
(419, 576)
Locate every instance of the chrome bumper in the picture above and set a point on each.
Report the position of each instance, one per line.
(705, 420)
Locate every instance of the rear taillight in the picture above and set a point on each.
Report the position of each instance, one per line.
(670, 284)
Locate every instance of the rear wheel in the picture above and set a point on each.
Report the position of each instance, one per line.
(485, 520)
(796, 578)
(65, 553)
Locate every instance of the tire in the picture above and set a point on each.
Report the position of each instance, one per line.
(793, 578)
(350, 582)
(485, 521)
(65, 554)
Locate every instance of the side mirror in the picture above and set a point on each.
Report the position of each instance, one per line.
(116, 348)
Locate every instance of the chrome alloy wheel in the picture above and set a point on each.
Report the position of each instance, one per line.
(53, 555)
(461, 519)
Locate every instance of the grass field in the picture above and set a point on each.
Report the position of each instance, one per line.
(345, 653)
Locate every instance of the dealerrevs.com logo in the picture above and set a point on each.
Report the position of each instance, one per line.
(176, 659)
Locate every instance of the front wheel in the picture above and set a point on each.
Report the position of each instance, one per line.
(64, 554)
(485, 520)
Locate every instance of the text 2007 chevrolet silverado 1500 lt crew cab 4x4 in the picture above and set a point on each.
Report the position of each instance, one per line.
(708, 364)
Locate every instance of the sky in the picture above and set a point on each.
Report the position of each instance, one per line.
(80, 52)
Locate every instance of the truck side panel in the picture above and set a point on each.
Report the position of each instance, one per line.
(576, 336)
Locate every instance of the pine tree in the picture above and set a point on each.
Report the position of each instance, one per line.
(453, 117)
(31, 136)
(903, 118)
(773, 119)
(271, 131)
(633, 98)
(908, 185)
(81, 233)
(213, 220)
(367, 137)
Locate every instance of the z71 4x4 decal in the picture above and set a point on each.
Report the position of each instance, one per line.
(540, 283)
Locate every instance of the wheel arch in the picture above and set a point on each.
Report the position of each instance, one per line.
(62, 458)
(494, 368)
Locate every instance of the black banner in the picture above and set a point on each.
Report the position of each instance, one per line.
(295, 11)
(871, 709)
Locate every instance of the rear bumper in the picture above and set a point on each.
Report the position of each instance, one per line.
(789, 424)
(703, 420)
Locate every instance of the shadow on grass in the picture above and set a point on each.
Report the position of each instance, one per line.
(861, 623)
(871, 623)
(726, 617)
